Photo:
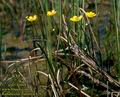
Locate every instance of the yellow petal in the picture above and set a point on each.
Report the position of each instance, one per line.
(76, 18)
(35, 17)
(80, 17)
(31, 18)
(51, 13)
(90, 14)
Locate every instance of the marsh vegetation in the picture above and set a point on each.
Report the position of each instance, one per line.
(60, 48)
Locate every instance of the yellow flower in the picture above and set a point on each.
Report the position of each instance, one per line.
(90, 14)
(31, 18)
(51, 13)
(76, 18)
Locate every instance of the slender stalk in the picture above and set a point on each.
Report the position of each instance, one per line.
(91, 30)
(0, 43)
(59, 8)
(116, 10)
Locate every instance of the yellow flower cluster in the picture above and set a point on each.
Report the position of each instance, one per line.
(78, 18)
(53, 13)
(31, 18)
